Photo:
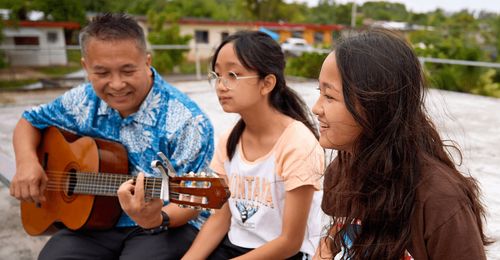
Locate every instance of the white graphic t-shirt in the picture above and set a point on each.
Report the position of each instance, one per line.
(258, 188)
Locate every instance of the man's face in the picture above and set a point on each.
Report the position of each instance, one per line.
(119, 72)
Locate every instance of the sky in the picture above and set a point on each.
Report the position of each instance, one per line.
(430, 5)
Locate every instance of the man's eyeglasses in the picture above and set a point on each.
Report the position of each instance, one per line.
(230, 82)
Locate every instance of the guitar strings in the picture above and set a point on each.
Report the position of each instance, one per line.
(123, 176)
(118, 179)
(80, 184)
(182, 197)
(151, 185)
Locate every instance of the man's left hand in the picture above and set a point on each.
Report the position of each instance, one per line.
(131, 197)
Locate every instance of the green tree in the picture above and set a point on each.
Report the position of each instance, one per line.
(54, 10)
(100, 6)
(462, 25)
(274, 10)
(19, 8)
(385, 11)
(418, 18)
(323, 13)
(293, 13)
(264, 10)
(61, 10)
(330, 12)
(166, 60)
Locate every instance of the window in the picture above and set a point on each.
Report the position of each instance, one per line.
(201, 36)
(297, 34)
(318, 37)
(223, 36)
(52, 37)
(26, 40)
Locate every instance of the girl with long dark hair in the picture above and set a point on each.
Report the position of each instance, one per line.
(271, 159)
(393, 191)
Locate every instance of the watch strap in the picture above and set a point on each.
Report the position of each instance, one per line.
(163, 226)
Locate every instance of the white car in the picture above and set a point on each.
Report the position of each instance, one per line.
(296, 46)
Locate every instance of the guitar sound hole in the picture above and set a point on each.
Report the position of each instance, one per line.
(71, 182)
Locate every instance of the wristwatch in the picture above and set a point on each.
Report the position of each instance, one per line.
(161, 227)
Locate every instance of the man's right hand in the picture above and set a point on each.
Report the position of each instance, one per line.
(30, 180)
(29, 183)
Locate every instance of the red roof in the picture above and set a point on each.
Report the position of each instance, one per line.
(66, 25)
(268, 25)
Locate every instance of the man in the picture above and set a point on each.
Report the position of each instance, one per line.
(128, 102)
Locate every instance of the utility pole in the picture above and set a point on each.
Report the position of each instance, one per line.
(353, 14)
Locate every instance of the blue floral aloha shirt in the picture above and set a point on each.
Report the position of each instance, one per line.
(167, 121)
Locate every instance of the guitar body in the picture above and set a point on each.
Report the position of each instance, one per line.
(62, 154)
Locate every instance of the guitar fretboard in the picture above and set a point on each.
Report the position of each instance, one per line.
(105, 184)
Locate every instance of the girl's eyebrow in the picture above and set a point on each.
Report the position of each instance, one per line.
(230, 63)
(326, 85)
(329, 86)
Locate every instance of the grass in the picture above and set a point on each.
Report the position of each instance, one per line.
(55, 71)
(13, 84)
(74, 56)
(45, 72)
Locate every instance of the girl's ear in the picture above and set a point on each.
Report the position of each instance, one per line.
(269, 82)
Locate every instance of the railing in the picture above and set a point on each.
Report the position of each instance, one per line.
(423, 60)
(460, 62)
(53, 50)
(197, 48)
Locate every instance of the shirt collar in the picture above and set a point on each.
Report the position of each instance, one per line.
(147, 113)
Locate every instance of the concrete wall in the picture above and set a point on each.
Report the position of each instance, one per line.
(205, 50)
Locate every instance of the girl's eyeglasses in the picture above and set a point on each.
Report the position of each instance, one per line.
(230, 82)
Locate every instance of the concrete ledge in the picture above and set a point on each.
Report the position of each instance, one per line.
(7, 169)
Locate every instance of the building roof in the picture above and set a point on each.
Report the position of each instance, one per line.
(268, 25)
(50, 24)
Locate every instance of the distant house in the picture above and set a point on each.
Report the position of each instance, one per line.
(208, 34)
(397, 26)
(36, 43)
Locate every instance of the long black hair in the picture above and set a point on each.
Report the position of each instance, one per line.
(258, 52)
(383, 87)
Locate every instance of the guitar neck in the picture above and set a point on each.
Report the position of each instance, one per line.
(108, 184)
(188, 190)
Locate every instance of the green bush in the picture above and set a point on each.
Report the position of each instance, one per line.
(188, 67)
(307, 65)
(468, 79)
(74, 56)
(3, 60)
(487, 85)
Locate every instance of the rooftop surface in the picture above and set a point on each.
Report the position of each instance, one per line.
(472, 121)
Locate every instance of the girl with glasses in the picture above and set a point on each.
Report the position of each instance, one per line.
(271, 159)
(393, 191)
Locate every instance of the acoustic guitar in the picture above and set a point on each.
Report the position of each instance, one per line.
(84, 175)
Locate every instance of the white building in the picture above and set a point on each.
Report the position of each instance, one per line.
(36, 43)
